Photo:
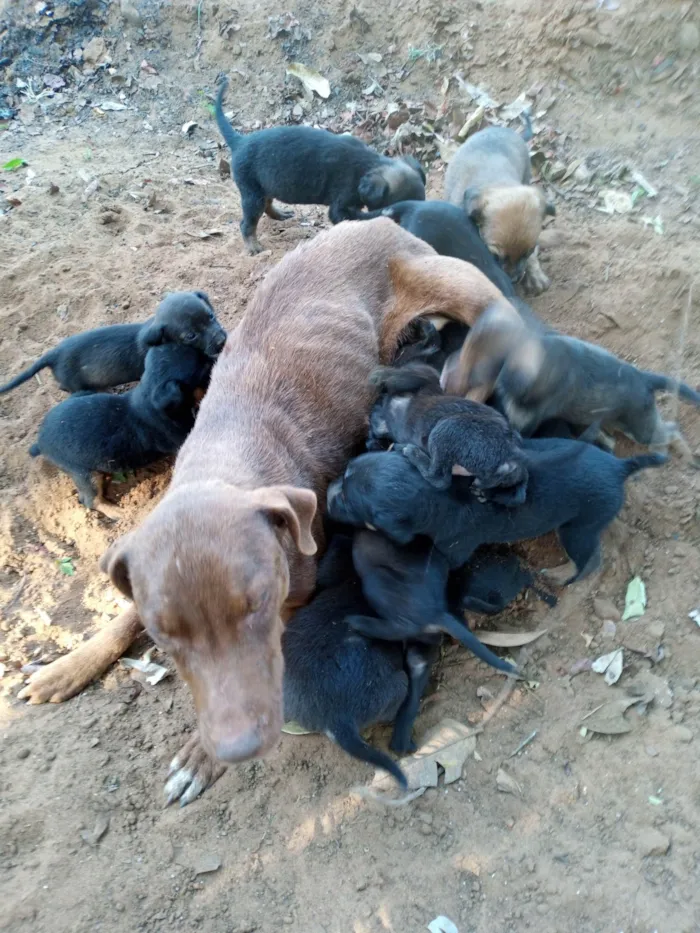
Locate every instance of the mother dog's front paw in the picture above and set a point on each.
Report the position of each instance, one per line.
(191, 771)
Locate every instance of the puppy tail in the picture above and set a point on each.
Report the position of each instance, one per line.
(461, 633)
(48, 359)
(34, 450)
(659, 383)
(633, 465)
(232, 137)
(349, 739)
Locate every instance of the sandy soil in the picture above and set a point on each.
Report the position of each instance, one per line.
(603, 836)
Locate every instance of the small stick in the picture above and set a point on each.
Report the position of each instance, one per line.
(524, 743)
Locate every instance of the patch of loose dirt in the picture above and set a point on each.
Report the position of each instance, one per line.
(579, 848)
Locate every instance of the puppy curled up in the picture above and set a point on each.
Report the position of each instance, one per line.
(445, 435)
(112, 356)
(303, 165)
(94, 432)
(489, 177)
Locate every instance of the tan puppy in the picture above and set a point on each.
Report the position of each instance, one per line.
(489, 176)
(230, 551)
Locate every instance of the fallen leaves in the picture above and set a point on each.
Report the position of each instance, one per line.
(635, 599)
(312, 80)
(507, 784)
(66, 566)
(610, 665)
(293, 728)
(509, 639)
(446, 746)
(609, 719)
(145, 670)
(13, 165)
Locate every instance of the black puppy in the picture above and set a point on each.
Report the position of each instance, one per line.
(490, 581)
(336, 681)
(111, 356)
(445, 435)
(302, 165)
(423, 342)
(451, 232)
(573, 488)
(97, 432)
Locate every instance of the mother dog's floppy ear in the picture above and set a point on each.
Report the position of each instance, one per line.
(373, 189)
(294, 508)
(115, 562)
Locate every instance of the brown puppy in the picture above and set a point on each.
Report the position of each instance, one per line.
(228, 553)
(489, 176)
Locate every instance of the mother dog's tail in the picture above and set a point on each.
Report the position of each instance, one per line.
(232, 137)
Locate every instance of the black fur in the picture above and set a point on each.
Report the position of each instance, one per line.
(97, 432)
(451, 232)
(302, 165)
(490, 581)
(112, 356)
(573, 488)
(336, 681)
(440, 433)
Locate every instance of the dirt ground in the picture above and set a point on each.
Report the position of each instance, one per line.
(602, 835)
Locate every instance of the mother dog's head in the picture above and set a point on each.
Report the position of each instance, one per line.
(208, 571)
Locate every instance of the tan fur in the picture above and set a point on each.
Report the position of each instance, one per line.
(510, 219)
(216, 569)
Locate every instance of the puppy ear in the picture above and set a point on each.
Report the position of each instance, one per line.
(167, 395)
(115, 562)
(153, 335)
(474, 205)
(205, 298)
(373, 189)
(293, 507)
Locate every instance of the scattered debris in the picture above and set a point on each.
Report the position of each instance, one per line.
(611, 665)
(509, 639)
(293, 728)
(656, 223)
(447, 148)
(606, 609)
(448, 745)
(66, 566)
(370, 58)
(513, 110)
(653, 842)
(615, 202)
(609, 718)
(188, 128)
(635, 599)
(480, 97)
(506, 784)
(13, 165)
(525, 742)
(205, 234)
(146, 671)
(442, 925)
(649, 190)
(694, 614)
(472, 122)
(53, 188)
(95, 51)
(101, 827)
(312, 80)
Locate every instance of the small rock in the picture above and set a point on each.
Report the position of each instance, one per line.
(688, 37)
(651, 751)
(583, 174)
(426, 818)
(23, 753)
(606, 609)
(653, 842)
(94, 51)
(297, 110)
(425, 829)
(681, 734)
(53, 189)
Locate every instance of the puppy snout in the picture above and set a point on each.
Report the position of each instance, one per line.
(218, 342)
(233, 748)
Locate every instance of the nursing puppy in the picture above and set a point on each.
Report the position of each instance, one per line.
(490, 582)
(302, 165)
(445, 435)
(489, 178)
(539, 376)
(450, 232)
(95, 432)
(112, 356)
(573, 488)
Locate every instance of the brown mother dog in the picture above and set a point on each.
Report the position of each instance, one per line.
(228, 553)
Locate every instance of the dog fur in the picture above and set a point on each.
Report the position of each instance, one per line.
(445, 435)
(94, 432)
(573, 488)
(490, 581)
(112, 356)
(489, 178)
(302, 165)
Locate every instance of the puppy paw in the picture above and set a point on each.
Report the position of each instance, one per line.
(191, 771)
(535, 281)
(559, 576)
(402, 746)
(253, 246)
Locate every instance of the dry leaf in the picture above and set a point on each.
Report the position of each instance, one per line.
(112, 105)
(187, 128)
(506, 784)
(513, 110)
(611, 665)
(207, 864)
(447, 148)
(370, 57)
(293, 728)
(311, 79)
(509, 639)
(616, 202)
(205, 234)
(635, 599)
(477, 94)
(449, 745)
(609, 719)
(473, 120)
(150, 672)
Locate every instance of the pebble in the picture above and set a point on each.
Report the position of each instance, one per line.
(651, 751)
(606, 609)
(426, 818)
(23, 753)
(681, 734)
(425, 829)
(653, 842)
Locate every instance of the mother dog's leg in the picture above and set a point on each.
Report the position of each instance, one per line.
(72, 673)
(191, 771)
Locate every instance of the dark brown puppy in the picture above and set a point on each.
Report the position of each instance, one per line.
(228, 553)
(489, 176)
(444, 435)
